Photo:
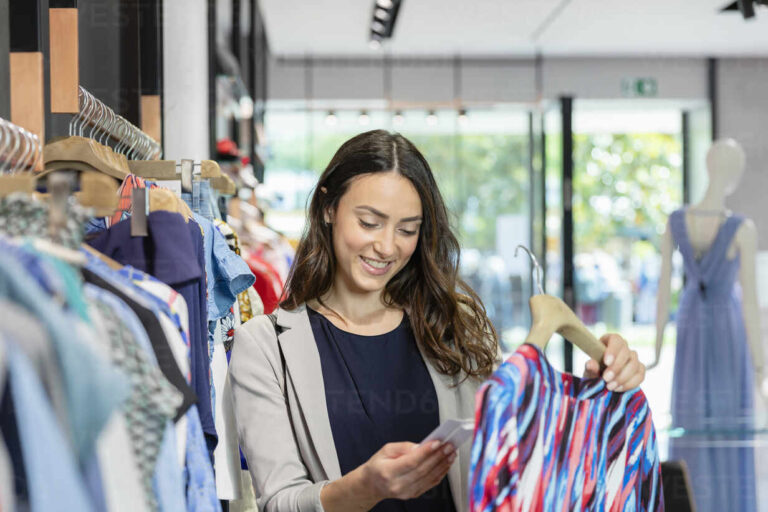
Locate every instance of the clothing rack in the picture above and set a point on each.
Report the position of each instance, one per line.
(20, 149)
(106, 125)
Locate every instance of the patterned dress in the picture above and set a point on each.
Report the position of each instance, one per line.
(551, 441)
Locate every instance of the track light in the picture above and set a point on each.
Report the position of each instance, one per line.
(431, 118)
(374, 44)
(331, 119)
(384, 16)
(398, 119)
(364, 118)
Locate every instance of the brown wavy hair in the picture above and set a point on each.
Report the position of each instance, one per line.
(447, 317)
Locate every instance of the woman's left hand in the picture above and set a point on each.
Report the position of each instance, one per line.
(623, 369)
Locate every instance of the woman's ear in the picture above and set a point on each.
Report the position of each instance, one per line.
(327, 217)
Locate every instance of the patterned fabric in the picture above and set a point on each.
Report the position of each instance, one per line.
(153, 400)
(23, 216)
(125, 191)
(551, 441)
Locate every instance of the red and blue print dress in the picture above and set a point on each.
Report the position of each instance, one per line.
(550, 441)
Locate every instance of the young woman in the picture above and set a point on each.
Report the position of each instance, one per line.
(376, 343)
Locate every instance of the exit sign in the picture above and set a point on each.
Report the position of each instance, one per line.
(639, 87)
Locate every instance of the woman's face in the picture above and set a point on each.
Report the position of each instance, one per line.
(375, 230)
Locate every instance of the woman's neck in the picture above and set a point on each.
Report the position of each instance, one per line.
(357, 308)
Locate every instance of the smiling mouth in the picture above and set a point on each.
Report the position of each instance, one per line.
(376, 265)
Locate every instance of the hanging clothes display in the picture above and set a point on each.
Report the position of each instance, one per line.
(712, 394)
(150, 425)
(551, 441)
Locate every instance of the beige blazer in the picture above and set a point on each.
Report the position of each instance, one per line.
(282, 418)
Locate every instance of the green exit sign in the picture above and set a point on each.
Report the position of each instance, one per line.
(639, 87)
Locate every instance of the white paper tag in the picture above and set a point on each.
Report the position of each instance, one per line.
(172, 185)
(456, 432)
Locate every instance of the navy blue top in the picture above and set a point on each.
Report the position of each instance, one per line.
(173, 253)
(378, 390)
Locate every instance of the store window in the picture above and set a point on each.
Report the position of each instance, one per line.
(628, 178)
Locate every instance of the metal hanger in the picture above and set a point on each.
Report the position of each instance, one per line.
(550, 315)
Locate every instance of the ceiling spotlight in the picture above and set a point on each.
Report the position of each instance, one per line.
(431, 118)
(331, 119)
(398, 119)
(463, 117)
(364, 118)
(374, 44)
(383, 19)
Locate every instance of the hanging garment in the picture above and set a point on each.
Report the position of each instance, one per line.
(173, 253)
(90, 396)
(50, 468)
(712, 385)
(545, 441)
(153, 400)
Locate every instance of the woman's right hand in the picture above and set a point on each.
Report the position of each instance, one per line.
(398, 470)
(407, 470)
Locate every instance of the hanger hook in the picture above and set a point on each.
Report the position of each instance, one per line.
(23, 160)
(17, 140)
(535, 263)
(73, 121)
(4, 140)
(87, 110)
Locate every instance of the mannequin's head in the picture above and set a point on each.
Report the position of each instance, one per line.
(725, 165)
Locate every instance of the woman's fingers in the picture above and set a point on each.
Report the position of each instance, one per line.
(632, 374)
(616, 356)
(591, 369)
(435, 459)
(431, 478)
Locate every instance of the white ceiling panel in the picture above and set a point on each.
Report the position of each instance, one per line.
(513, 28)
(672, 27)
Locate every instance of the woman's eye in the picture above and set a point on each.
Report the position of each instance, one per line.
(408, 232)
(367, 225)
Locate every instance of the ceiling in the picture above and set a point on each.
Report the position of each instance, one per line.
(518, 28)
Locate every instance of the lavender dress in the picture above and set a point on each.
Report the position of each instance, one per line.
(712, 386)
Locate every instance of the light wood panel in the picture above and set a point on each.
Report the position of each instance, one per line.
(151, 117)
(65, 75)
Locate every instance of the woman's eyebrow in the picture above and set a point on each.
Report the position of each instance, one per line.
(384, 215)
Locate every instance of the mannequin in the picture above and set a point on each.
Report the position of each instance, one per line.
(719, 354)
(725, 167)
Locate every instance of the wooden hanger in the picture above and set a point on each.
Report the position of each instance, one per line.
(24, 183)
(68, 151)
(99, 192)
(550, 315)
(224, 184)
(154, 169)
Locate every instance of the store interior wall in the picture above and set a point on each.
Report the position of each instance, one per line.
(743, 114)
(185, 74)
(491, 80)
(742, 102)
